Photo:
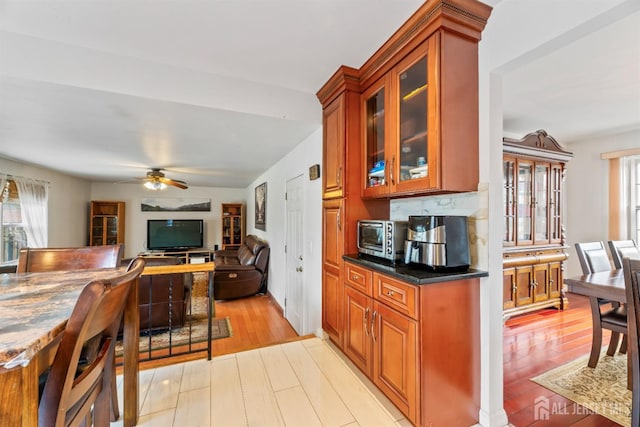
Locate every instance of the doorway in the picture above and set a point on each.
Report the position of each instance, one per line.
(294, 257)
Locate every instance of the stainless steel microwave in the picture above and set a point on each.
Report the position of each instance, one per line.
(382, 239)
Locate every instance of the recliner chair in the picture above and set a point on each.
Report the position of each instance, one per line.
(243, 272)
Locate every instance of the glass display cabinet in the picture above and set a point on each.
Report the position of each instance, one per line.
(534, 244)
(106, 223)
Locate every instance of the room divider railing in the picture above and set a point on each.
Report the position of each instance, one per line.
(195, 327)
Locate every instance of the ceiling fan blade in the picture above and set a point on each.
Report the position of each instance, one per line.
(174, 182)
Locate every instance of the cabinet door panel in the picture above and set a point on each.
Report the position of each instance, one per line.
(333, 121)
(332, 232)
(540, 282)
(524, 279)
(555, 203)
(377, 115)
(509, 200)
(395, 359)
(332, 290)
(525, 196)
(541, 203)
(555, 279)
(357, 339)
(509, 288)
(415, 153)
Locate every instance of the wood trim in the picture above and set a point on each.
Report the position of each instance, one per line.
(620, 153)
(615, 194)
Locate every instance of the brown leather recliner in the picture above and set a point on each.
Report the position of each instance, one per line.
(153, 296)
(243, 272)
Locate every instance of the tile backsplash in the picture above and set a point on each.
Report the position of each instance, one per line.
(473, 205)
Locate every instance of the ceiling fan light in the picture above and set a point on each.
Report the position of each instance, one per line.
(155, 185)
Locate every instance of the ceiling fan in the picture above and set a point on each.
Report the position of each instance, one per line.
(155, 180)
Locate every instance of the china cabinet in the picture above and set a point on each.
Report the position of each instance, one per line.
(533, 240)
(106, 223)
(232, 225)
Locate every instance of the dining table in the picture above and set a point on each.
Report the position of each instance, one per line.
(34, 309)
(607, 285)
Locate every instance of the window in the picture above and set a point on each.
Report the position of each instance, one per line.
(631, 184)
(23, 215)
(11, 228)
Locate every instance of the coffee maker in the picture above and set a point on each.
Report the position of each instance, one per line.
(438, 243)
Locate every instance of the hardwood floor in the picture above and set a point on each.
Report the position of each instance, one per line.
(537, 342)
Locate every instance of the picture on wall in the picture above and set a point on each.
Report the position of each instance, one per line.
(169, 204)
(261, 207)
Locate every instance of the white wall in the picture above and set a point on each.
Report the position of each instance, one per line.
(517, 33)
(587, 190)
(136, 220)
(68, 206)
(297, 162)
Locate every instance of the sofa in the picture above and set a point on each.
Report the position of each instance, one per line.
(243, 272)
(154, 292)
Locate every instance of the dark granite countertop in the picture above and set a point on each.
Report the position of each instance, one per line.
(414, 276)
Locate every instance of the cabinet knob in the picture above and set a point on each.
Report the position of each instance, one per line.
(390, 293)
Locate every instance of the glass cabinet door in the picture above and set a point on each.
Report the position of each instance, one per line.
(111, 230)
(376, 167)
(509, 200)
(97, 232)
(541, 203)
(413, 156)
(525, 189)
(555, 202)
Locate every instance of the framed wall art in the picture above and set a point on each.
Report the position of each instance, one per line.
(261, 207)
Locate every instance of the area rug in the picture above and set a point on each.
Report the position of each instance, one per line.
(196, 328)
(602, 389)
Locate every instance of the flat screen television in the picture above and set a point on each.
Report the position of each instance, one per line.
(166, 234)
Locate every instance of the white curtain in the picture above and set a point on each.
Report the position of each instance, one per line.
(3, 181)
(34, 197)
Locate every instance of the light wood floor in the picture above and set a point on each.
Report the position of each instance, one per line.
(240, 380)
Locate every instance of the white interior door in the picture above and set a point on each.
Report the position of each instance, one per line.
(294, 300)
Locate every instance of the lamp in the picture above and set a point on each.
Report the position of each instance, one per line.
(155, 185)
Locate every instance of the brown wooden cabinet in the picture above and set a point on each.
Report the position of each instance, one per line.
(405, 123)
(534, 246)
(106, 223)
(379, 339)
(413, 134)
(232, 225)
(398, 335)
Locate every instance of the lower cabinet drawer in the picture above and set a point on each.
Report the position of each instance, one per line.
(359, 278)
(396, 294)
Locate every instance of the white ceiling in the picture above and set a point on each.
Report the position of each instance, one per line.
(218, 91)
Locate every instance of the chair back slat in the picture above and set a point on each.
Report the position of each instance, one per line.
(623, 249)
(70, 393)
(58, 259)
(631, 268)
(593, 257)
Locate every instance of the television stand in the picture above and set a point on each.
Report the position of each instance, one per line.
(188, 256)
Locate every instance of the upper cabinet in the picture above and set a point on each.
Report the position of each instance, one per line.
(418, 108)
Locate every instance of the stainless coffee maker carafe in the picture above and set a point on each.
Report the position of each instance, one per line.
(439, 243)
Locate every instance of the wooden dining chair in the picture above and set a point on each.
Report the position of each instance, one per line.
(39, 260)
(78, 258)
(74, 387)
(631, 268)
(605, 314)
(623, 249)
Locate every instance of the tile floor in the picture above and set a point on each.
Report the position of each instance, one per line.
(301, 383)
